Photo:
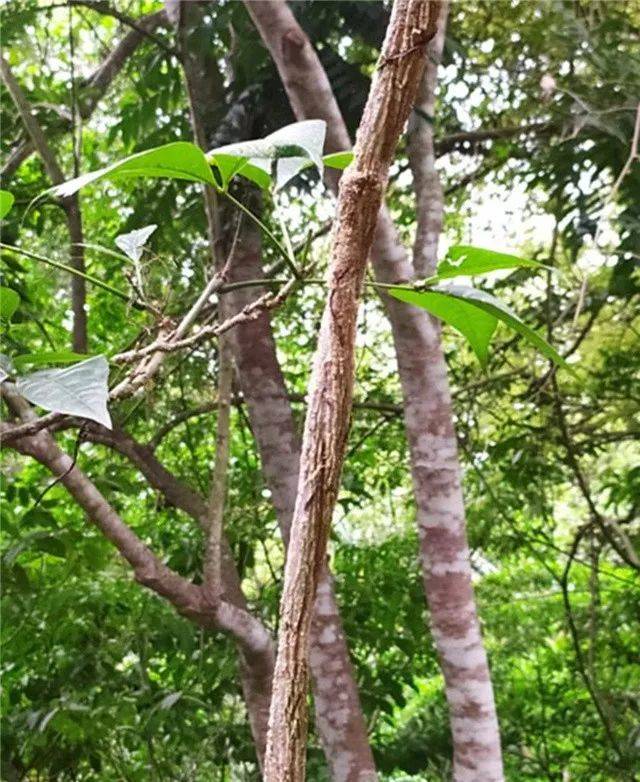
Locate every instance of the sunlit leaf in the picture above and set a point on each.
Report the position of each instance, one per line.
(178, 160)
(338, 160)
(6, 202)
(9, 303)
(287, 151)
(464, 260)
(132, 244)
(80, 389)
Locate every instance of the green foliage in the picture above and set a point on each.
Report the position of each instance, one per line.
(9, 303)
(475, 314)
(6, 202)
(102, 680)
(463, 260)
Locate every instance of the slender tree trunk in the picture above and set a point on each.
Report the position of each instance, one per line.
(444, 551)
(331, 386)
(427, 410)
(339, 719)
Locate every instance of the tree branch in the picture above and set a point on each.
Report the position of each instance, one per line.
(70, 205)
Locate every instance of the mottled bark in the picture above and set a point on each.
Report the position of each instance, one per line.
(339, 718)
(338, 714)
(331, 385)
(428, 420)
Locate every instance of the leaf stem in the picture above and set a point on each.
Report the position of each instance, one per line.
(283, 252)
(63, 267)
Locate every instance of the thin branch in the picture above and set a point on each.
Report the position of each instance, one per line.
(70, 205)
(619, 541)
(211, 579)
(466, 141)
(189, 599)
(575, 637)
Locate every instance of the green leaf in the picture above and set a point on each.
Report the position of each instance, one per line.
(6, 202)
(44, 359)
(80, 389)
(51, 545)
(9, 302)
(338, 160)
(287, 151)
(472, 325)
(477, 326)
(178, 160)
(464, 260)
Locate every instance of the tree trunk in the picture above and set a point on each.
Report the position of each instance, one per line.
(428, 421)
(339, 719)
(341, 728)
(331, 386)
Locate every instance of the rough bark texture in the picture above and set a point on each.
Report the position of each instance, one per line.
(339, 719)
(428, 420)
(326, 426)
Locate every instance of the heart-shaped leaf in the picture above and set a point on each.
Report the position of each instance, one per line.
(287, 152)
(178, 160)
(80, 389)
(132, 244)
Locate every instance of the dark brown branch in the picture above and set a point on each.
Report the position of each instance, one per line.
(188, 598)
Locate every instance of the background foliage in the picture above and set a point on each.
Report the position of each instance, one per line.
(102, 681)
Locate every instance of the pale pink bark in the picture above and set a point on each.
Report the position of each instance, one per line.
(326, 428)
(339, 718)
(429, 424)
